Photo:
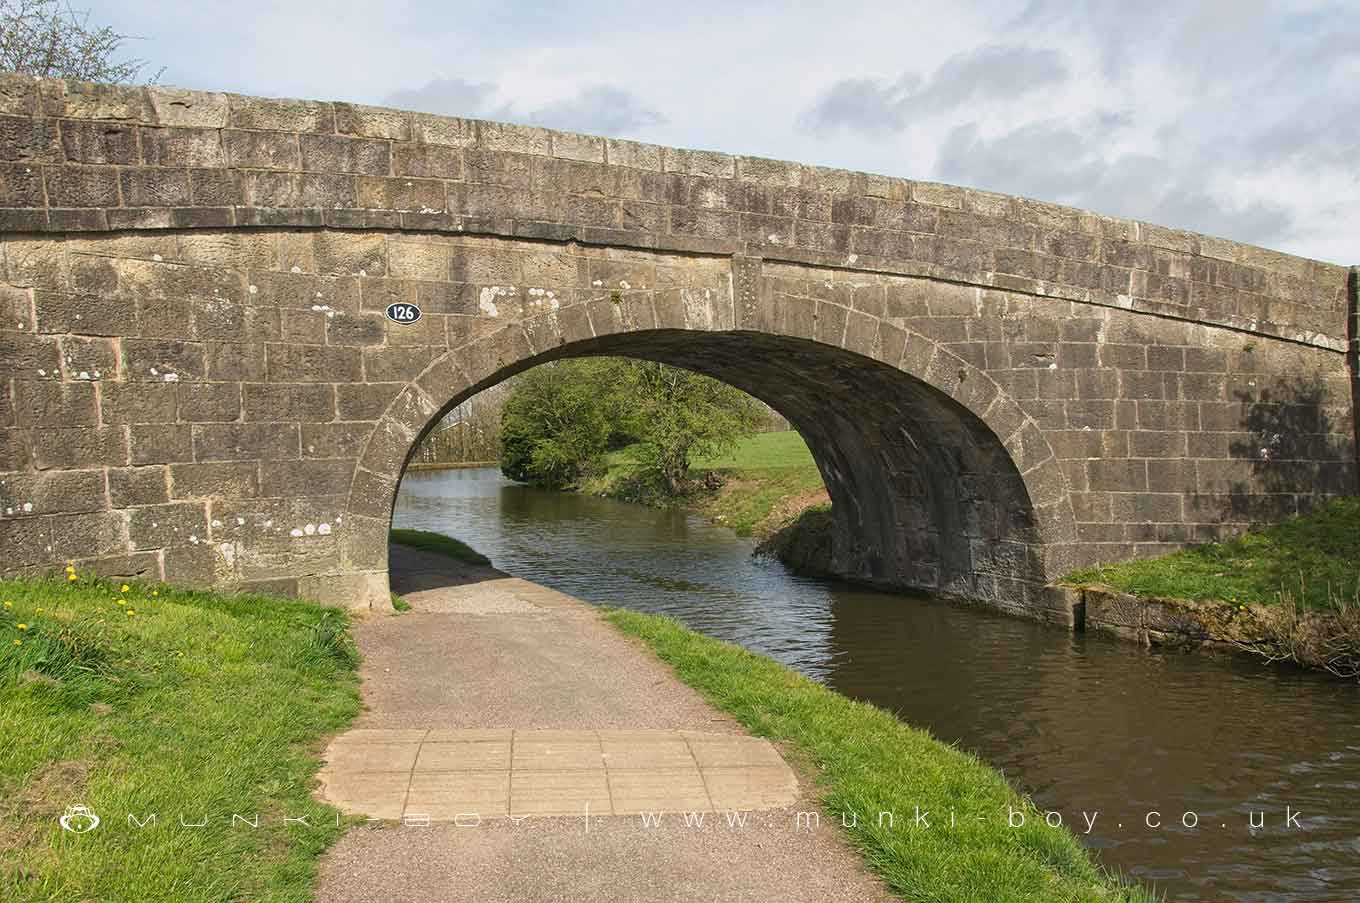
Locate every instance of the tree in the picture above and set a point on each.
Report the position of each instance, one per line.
(677, 415)
(50, 39)
(556, 423)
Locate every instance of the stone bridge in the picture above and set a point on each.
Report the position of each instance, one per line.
(198, 382)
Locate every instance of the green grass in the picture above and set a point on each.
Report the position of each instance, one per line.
(761, 472)
(763, 451)
(196, 704)
(1313, 560)
(867, 761)
(438, 542)
(399, 604)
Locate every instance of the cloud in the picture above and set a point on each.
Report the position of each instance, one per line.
(992, 73)
(603, 109)
(596, 108)
(1070, 163)
(445, 96)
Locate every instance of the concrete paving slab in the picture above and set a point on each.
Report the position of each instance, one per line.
(448, 795)
(559, 792)
(483, 756)
(659, 790)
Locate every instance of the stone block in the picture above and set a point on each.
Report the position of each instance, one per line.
(335, 440)
(428, 161)
(337, 153)
(51, 492)
(229, 480)
(44, 403)
(305, 403)
(155, 187)
(209, 402)
(182, 108)
(365, 401)
(309, 477)
(83, 447)
(81, 142)
(152, 360)
(130, 486)
(160, 443)
(91, 535)
(372, 122)
(27, 541)
(246, 442)
(279, 114)
(262, 150)
(82, 187)
(313, 363)
(358, 591)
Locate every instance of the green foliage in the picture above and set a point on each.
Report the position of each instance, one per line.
(561, 419)
(427, 541)
(557, 422)
(1312, 560)
(866, 761)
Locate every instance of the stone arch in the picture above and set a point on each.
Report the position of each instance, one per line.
(938, 477)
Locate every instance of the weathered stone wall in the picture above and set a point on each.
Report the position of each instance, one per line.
(197, 381)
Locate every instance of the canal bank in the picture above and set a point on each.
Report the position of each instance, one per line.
(1285, 593)
(518, 746)
(1077, 721)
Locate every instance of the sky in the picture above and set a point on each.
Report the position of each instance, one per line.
(1236, 118)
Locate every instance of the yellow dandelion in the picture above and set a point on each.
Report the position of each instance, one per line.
(18, 642)
(70, 569)
(9, 604)
(70, 576)
(122, 601)
(124, 589)
(155, 592)
(22, 626)
(131, 612)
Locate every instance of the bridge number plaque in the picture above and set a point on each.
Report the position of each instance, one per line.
(404, 313)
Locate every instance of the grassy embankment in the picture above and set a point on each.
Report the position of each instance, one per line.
(427, 541)
(140, 699)
(764, 483)
(1289, 592)
(865, 761)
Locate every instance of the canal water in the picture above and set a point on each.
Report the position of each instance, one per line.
(1083, 724)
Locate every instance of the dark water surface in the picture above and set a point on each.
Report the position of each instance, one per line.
(1081, 723)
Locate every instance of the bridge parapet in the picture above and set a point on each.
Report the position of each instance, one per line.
(81, 157)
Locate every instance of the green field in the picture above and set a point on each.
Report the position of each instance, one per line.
(188, 705)
(866, 761)
(762, 473)
(1313, 561)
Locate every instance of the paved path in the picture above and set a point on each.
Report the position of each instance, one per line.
(518, 748)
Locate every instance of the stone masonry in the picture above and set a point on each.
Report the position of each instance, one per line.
(198, 382)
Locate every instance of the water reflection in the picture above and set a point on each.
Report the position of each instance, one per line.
(1083, 724)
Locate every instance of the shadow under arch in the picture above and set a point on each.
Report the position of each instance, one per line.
(938, 481)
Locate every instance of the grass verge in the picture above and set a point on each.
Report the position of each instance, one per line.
(867, 762)
(1311, 561)
(427, 541)
(134, 700)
